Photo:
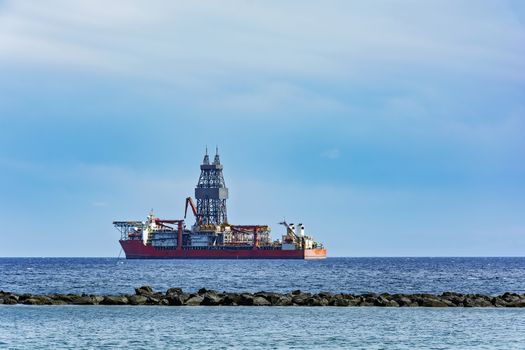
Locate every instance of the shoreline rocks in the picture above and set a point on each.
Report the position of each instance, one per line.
(145, 295)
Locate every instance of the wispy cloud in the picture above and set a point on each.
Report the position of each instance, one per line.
(337, 41)
(332, 153)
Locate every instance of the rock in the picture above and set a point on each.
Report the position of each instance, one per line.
(476, 302)
(115, 300)
(176, 299)
(144, 290)
(174, 291)
(61, 297)
(245, 299)
(194, 300)
(11, 296)
(137, 300)
(24, 297)
(174, 296)
(9, 301)
(517, 303)
(153, 301)
(406, 302)
(202, 291)
(231, 299)
(270, 296)
(300, 299)
(498, 302)
(457, 299)
(260, 301)
(211, 299)
(317, 301)
(38, 300)
(383, 301)
(427, 301)
(511, 298)
(283, 300)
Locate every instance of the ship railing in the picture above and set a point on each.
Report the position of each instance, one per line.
(129, 230)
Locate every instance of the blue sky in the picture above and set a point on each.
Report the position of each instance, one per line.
(390, 128)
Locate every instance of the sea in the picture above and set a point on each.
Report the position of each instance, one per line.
(152, 327)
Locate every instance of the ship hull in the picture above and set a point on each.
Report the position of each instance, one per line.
(135, 249)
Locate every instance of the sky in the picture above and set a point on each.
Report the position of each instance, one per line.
(389, 128)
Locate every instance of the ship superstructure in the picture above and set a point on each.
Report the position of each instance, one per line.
(211, 235)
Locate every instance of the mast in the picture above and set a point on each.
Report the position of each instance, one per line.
(211, 192)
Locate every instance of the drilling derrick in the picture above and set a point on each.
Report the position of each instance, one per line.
(211, 193)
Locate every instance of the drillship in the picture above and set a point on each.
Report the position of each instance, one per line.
(211, 236)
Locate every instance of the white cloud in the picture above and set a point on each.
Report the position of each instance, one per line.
(346, 41)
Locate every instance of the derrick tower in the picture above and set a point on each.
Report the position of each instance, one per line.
(211, 192)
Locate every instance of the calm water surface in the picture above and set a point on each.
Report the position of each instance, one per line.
(357, 275)
(105, 327)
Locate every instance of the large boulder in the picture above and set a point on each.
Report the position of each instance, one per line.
(194, 300)
(211, 299)
(245, 299)
(115, 300)
(405, 301)
(260, 301)
(39, 300)
(284, 300)
(177, 299)
(477, 301)
(138, 300)
(144, 290)
(432, 301)
(231, 299)
(84, 300)
(174, 291)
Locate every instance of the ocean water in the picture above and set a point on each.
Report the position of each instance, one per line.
(108, 327)
(353, 275)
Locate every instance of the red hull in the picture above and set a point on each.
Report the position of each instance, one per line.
(135, 249)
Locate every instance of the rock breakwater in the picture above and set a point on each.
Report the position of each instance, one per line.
(145, 295)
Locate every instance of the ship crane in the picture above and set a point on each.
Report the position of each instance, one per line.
(189, 202)
(290, 231)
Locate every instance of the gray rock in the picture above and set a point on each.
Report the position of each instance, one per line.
(137, 299)
(245, 299)
(427, 301)
(211, 299)
(283, 300)
(144, 290)
(317, 301)
(476, 302)
(300, 299)
(175, 299)
(406, 302)
(174, 291)
(115, 300)
(260, 301)
(38, 300)
(194, 300)
(9, 301)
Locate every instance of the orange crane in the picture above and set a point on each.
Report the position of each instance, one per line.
(189, 202)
